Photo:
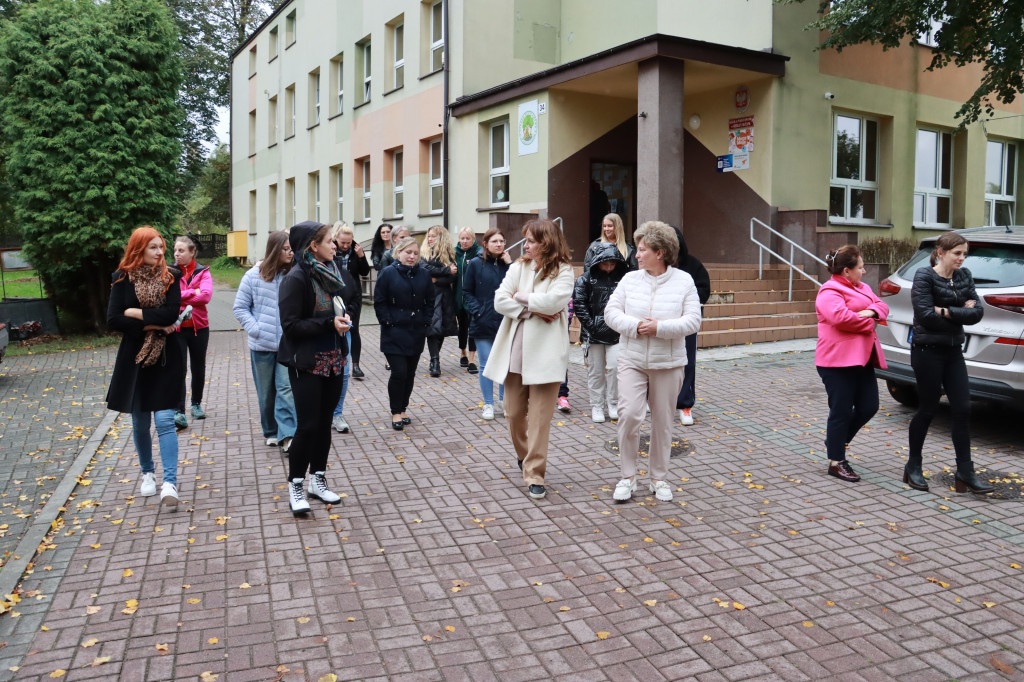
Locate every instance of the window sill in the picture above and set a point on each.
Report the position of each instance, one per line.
(252, 75)
(944, 228)
(851, 223)
(429, 215)
(392, 219)
(271, 60)
(272, 145)
(361, 222)
(360, 105)
(496, 207)
(340, 113)
(289, 44)
(289, 137)
(313, 126)
(253, 155)
(431, 73)
(392, 90)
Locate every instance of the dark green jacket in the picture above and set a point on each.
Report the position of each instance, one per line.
(462, 259)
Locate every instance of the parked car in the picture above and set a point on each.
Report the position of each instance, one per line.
(994, 349)
(5, 338)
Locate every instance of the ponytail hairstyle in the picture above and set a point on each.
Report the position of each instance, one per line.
(842, 258)
(189, 243)
(946, 242)
(133, 260)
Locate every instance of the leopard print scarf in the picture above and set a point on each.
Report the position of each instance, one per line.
(149, 289)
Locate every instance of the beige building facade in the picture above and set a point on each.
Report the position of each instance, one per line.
(572, 108)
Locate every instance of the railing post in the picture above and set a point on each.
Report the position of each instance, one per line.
(791, 272)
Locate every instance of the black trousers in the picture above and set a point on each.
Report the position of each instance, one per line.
(400, 383)
(356, 347)
(852, 402)
(938, 368)
(434, 344)
(315, 398)
(462, 317)
(194, 343)
(688, 393)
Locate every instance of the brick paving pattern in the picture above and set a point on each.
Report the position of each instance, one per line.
(436, 565)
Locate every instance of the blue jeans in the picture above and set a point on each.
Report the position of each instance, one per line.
(340, 407)
(483, 350)
(167, 436)
(274, 392)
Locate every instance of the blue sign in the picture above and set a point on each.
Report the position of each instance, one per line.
(725, 163)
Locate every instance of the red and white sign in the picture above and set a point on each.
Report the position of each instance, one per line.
(742, 98)
(737, 123)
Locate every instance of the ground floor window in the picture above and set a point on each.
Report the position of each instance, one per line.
(1000, 182)
(853, 193)
(933, 179)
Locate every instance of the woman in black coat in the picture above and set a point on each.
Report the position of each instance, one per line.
(403, 300)
(149, 368)
(350, 256)
(483, 277)
(944, 301)
(314, 349)
(689, 264)
(381, 245)
(439, 260)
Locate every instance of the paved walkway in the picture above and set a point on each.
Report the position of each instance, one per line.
(436, 565)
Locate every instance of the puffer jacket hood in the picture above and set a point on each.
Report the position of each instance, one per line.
(299, 237)
(609, 252)
(591, 293)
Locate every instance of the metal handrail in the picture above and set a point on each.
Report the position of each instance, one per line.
(792, 245)
(519, 244)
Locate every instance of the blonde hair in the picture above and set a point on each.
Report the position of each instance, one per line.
(469, 231)
(442, 250)
(403, 245)
(620, 233)
(340, 228)
(659, 236)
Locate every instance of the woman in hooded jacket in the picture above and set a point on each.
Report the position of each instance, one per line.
(483, 277)
(689, 264)
(314, 348)
(612, 232)
(439, 260)
(465, 251)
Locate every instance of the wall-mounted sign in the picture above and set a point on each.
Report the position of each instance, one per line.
(741, 141)
(727, 163)
(529, 128)
(742, 98)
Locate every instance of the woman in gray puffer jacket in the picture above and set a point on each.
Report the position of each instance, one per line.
(256, 310)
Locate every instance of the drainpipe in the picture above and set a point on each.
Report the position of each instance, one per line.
(444, 123)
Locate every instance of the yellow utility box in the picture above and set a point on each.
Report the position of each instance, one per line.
(238, 244)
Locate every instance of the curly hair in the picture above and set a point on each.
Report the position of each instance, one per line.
(659, 236)
(442, 250)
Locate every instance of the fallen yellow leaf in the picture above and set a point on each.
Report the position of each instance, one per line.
(100, 660)
(706, 638)
(988, 604)
(212, 640)
(93, 609)
(194, 600)
(302, 620)
(738, 606)
(244, 586)
(449, 628)
(128, 573)
(59, 672)
(603, 635)
(807, 624)
(651, 602)
(162, 648)
(221, 537)
(130, 607)
(90, 642)
(329, 677)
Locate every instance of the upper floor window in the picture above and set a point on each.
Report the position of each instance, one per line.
(1000, 182)
(314, 196)
(933, 179)
(337, 94)
(272, 121)
(289, 111)
(339, 192)
(398, 183)
(289, 201)
(252, 132)
(499, 163)
(289, 30)
(399, 47)
(363, 70)
(366, 189)
(928, 37)
(274, 38)
(314, 98)
(437, 35)
(436, 178)
(853, 195)
(252, 62)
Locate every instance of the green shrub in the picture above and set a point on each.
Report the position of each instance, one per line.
(225, 262)
(895, 252)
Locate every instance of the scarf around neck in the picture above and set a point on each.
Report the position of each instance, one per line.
(149, 289)
(326, 281)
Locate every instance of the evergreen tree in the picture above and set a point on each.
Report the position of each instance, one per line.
(89, 113)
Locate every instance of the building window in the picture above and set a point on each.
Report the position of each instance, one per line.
(398, 40)
(436, 181)
(1000, 182)
(933, 179)
(252, 132)
(366, 189)
(252, 62)
(252, 211)
(314, 196)
(289, 30)
(289, 200)
(289, 111)
(929, 37)
(314, 98)
(853, 196)
(499, 164)
(398, 183)
(437, 36)
(272, 52)
(272, 121)
(366, 71)
(272, 207)
(337, 85)
(338, 183)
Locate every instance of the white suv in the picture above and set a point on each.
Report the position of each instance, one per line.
(994, 349)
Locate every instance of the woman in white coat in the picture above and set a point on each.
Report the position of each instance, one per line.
(654, 309)
(531, 349)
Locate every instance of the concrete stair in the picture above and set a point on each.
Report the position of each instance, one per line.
(744, 309)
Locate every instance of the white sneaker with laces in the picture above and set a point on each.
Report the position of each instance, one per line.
(662, 490)
(487, 412)
(685, 417)
(318, 489)
(624, 489)
(613, 412)
(297, 498)
(169, 495)
(271, 442)
(148, 485)
(597, 415)
(339, 424)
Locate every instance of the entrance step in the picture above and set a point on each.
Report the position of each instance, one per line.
(712, 339)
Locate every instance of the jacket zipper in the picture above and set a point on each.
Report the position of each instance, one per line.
(650, 313)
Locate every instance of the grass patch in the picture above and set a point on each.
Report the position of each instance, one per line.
(45, 344)
(21, 284)
(225, 272)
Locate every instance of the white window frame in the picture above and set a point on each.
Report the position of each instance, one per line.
(316, 98)
(366, 189)
(438, 181)
(398, 50)
(438, 44)
(341, 84)
(290, 29)
(927, 193)
(272, 121)
(497, 171)
(1010, 197)
(274, 38)
(289, 190)
(314, 181)
(927, 38)
(367, 70)
(339, 189)
(398, 182)
(849, 184)
(289, 103)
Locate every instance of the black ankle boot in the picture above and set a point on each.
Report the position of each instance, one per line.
(435, 367)
(913, 476)
(965, 481)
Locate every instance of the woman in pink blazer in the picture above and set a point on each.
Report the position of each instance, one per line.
(194, 335)
(847, 354)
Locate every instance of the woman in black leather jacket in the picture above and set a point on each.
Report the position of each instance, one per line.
(944, 301)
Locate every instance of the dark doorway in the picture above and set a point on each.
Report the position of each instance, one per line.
(616, 184)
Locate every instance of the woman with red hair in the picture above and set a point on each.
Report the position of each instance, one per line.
(148, 371)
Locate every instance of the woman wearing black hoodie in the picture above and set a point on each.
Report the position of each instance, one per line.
(689, 264)
(314, 349)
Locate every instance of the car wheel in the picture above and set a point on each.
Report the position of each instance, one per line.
(902, 393)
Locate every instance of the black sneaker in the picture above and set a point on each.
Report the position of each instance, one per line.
(538, 492)
(356, 372)
(520, 463)
(464, 361)
(471, 368)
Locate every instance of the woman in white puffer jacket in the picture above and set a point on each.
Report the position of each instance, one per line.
(654, 309)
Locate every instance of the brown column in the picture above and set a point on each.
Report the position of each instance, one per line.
(659, 146)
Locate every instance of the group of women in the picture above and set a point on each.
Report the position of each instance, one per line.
(848, 352)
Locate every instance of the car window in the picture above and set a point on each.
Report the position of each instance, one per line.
(992, 265)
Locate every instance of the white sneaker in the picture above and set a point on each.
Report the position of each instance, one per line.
(624, 489)
(339, 424)
(271, 442)
(297, 498)
(500, 407)
(318, 489)
(487, 412)
(597, 415)
(148, 485)
(169, 495)
(613, 413)
(662, 490)
(686, 417)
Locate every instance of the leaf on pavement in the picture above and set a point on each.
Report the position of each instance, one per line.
(603, 635)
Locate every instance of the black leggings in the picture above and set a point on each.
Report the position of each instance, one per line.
(938, 368)
(462, 317)
(315, 398)
(434, 344)
(356, 347)
(852, 402)
(403, 376)
(193, 343)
